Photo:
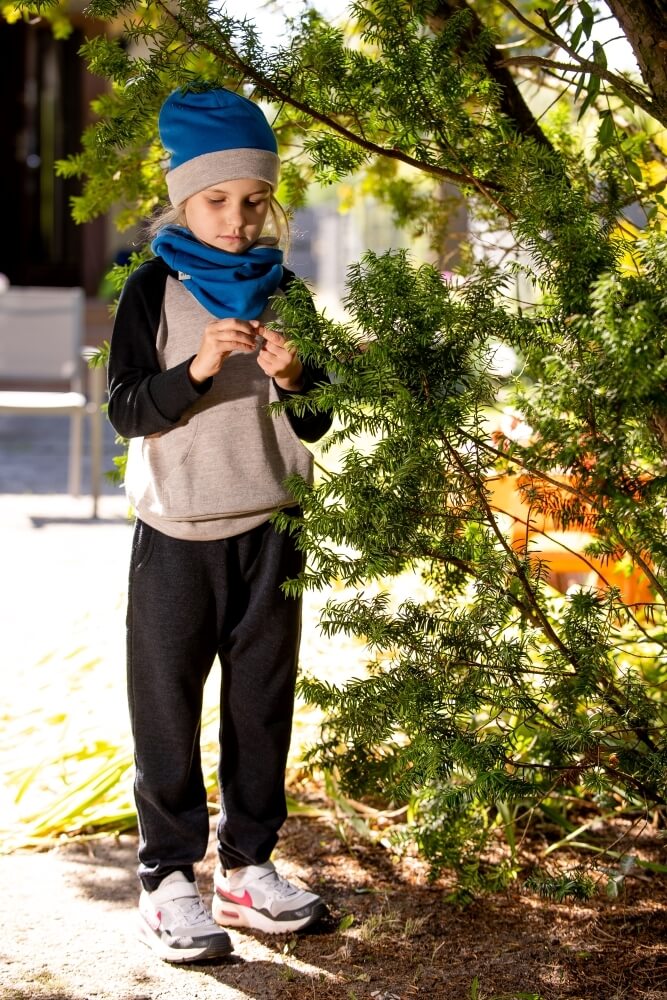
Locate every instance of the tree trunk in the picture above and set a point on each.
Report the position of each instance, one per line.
(512, 103)
(644, 23)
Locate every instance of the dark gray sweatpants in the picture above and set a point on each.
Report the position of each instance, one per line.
(187, 602)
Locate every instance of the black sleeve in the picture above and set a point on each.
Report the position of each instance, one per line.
(143, 399)
(311, 426)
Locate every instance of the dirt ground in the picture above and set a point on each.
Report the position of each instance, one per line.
(67, 919)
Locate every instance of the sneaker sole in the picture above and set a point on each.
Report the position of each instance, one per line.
(150, 938)
(229, 914)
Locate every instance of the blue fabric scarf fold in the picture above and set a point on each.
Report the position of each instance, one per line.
(235, 285)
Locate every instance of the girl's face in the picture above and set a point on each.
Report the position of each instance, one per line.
(230, 215)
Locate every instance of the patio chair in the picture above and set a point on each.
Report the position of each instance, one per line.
(561, 547)
(42, 359)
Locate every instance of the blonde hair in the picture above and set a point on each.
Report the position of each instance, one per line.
(170, 215)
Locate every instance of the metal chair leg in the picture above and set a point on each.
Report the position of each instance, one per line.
(75, 453)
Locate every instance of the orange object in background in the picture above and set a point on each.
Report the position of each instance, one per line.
(559, 547)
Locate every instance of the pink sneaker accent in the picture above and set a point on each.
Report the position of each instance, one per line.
(244, 900)
(259, 898)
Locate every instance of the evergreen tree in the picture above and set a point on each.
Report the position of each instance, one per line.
(492, 701)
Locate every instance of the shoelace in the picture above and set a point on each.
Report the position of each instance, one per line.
(192, 910)
(279, 885)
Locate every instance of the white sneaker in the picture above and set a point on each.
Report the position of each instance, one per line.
(258, 897)
(175, 924)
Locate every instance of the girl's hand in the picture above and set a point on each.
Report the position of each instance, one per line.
(278, 360)
(220, 338)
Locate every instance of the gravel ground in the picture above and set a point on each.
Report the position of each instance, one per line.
(69, 916)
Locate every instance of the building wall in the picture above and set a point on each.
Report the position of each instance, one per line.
(326, 241)
(46, 95)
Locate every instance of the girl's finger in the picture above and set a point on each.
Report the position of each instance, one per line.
(272, 336)
(219, 326)
(271, 349)
(234, 337)
(279, 350)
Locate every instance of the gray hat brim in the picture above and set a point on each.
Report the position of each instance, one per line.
(224, 165)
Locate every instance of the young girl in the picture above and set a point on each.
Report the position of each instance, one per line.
(192, 369)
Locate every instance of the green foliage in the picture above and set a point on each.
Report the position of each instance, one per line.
(491, 690)
(576, 884)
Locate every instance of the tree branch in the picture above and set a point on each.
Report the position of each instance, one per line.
(618, 82)
(579, 555)
(529, 593)
(485, 188)
(512, 103)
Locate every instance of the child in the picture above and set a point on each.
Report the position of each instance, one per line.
(192, 369)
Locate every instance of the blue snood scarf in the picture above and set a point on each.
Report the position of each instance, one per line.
(237, 285)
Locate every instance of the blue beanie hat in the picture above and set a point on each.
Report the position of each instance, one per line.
(215, 136)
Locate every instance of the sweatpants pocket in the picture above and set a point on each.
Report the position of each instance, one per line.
(142, 546)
